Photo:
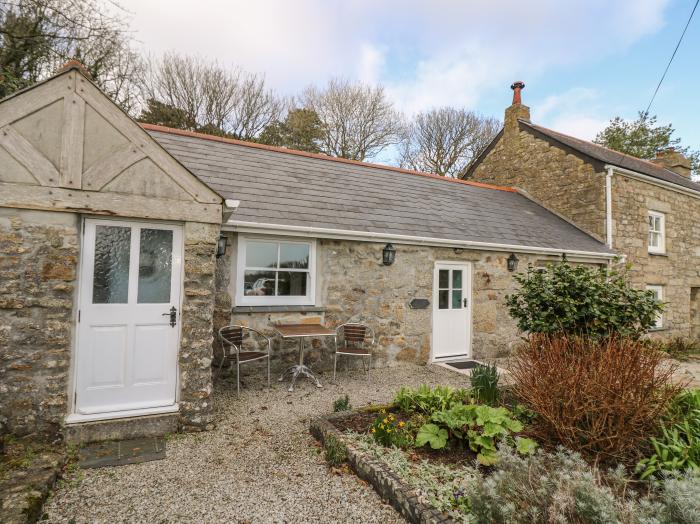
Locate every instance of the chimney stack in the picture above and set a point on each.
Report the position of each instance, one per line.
(673, 161)
(516, 111)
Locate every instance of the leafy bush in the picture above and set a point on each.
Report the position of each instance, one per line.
(336, 453)
(484, 381)
(390, 432)
(602, 397)
(678, 447)
(342, 404)
(581, 300)
(426, 400)
(481, 427)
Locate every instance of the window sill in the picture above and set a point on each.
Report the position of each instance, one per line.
(278, 309)
(654, 254)
(657, 330)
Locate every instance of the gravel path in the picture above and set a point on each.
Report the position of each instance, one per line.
(259, 465)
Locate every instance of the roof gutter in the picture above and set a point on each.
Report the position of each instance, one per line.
(652, 180)
(369, 236)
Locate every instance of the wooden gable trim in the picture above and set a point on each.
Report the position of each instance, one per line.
(26, 154)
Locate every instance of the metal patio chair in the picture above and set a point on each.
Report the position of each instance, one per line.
(356, 341)
(232, 337)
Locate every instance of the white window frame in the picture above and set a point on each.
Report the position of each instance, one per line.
(661, 248)
(243, 300)
(659, 290)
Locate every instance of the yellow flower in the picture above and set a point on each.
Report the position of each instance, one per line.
(383, 411)
(374, 430)
(385, 421)
(402, 424)
(391, 417)
(388, 431)
(381, 426)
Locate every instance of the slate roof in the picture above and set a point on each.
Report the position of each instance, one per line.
(614, 158)
(278, 186)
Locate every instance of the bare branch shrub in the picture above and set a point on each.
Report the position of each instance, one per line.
(600, 397)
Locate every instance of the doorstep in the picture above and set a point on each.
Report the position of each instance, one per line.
(121, 452)
(121, 428)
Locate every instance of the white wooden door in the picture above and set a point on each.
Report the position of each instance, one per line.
(131, 276)
(451, 310)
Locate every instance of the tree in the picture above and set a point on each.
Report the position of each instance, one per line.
(38, 36)
(643, 138)
(210, 98)
(445, 140)
(165, 115)
(301, 129)
(358, 120)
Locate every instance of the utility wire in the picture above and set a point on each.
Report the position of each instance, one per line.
(673, 55)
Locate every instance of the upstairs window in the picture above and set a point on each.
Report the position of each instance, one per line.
(657, 232)
(274, 272)
(658, 292)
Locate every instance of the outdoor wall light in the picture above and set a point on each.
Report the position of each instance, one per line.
(512, 262)
(388, 254)
(221, 246)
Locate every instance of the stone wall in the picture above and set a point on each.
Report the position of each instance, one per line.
(354, 286)
(677, 270)
(562, 180)
(196, 409)
(38, 262)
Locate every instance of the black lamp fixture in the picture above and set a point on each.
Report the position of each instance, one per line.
(512, 262)
(221, 246)
(388, 254)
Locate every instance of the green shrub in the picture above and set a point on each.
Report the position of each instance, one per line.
(342, 404)
(336, 453)
(390, 432)
(427, 400)
(480, 427)
(484, 382)
(581, 300)
(677, 503)
(678, 446)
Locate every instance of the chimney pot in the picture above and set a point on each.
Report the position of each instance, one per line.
(517, 87)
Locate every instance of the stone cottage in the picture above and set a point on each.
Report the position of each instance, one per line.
(647, 211)
(123, 247)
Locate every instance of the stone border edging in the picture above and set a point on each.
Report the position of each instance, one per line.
(385, 482)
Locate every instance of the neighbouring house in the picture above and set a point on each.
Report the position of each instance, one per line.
(124, 247)
(647, 211)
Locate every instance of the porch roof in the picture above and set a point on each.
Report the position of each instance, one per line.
(278, 186)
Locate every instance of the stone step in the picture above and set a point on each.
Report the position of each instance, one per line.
(121, 428)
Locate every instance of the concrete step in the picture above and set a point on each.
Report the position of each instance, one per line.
(121, 428)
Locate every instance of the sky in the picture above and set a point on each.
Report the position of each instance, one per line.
(583, 62)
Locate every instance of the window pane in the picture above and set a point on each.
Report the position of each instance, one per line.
(294, 256)
(654, 239)
(259, 283)
(111, 278)
(291, 283)
(443, 299)
(457, 279)
(261, 254)
(444, 278)
(155, 266)
(457, 299)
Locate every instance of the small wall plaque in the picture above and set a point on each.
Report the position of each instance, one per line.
(419, 303)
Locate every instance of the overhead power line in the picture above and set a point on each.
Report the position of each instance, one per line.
(673, 55)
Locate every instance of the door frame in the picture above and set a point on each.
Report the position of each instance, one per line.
(73, 417)
(468, 266)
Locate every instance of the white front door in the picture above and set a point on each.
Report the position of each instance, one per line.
(131, 276)
(451, 310)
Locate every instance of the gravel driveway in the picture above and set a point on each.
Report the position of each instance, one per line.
(259, 465)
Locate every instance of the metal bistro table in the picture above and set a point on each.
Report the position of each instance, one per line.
(302, 331)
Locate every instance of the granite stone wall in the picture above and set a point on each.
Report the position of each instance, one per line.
(38, 263)
(354, 286)
(196, 409)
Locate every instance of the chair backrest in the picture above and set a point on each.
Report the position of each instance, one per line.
(232, 335)
(355, 334)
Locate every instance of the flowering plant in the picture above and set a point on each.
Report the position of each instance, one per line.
(390, 432)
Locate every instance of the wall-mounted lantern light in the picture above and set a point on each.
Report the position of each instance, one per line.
(512, 262)
(388, 254)
(221, 246)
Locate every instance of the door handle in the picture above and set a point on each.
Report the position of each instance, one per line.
(173, 316)
(464, 301)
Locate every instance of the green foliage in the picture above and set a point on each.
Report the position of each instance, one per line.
(336, 452)
(163, 114)
(432, 434)
(581, 300)
(481, 427)
(678, 446)
(389, 431)
(484, 381)
(342, 404)
(301, 129)
(427, 400)
(642, 138)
